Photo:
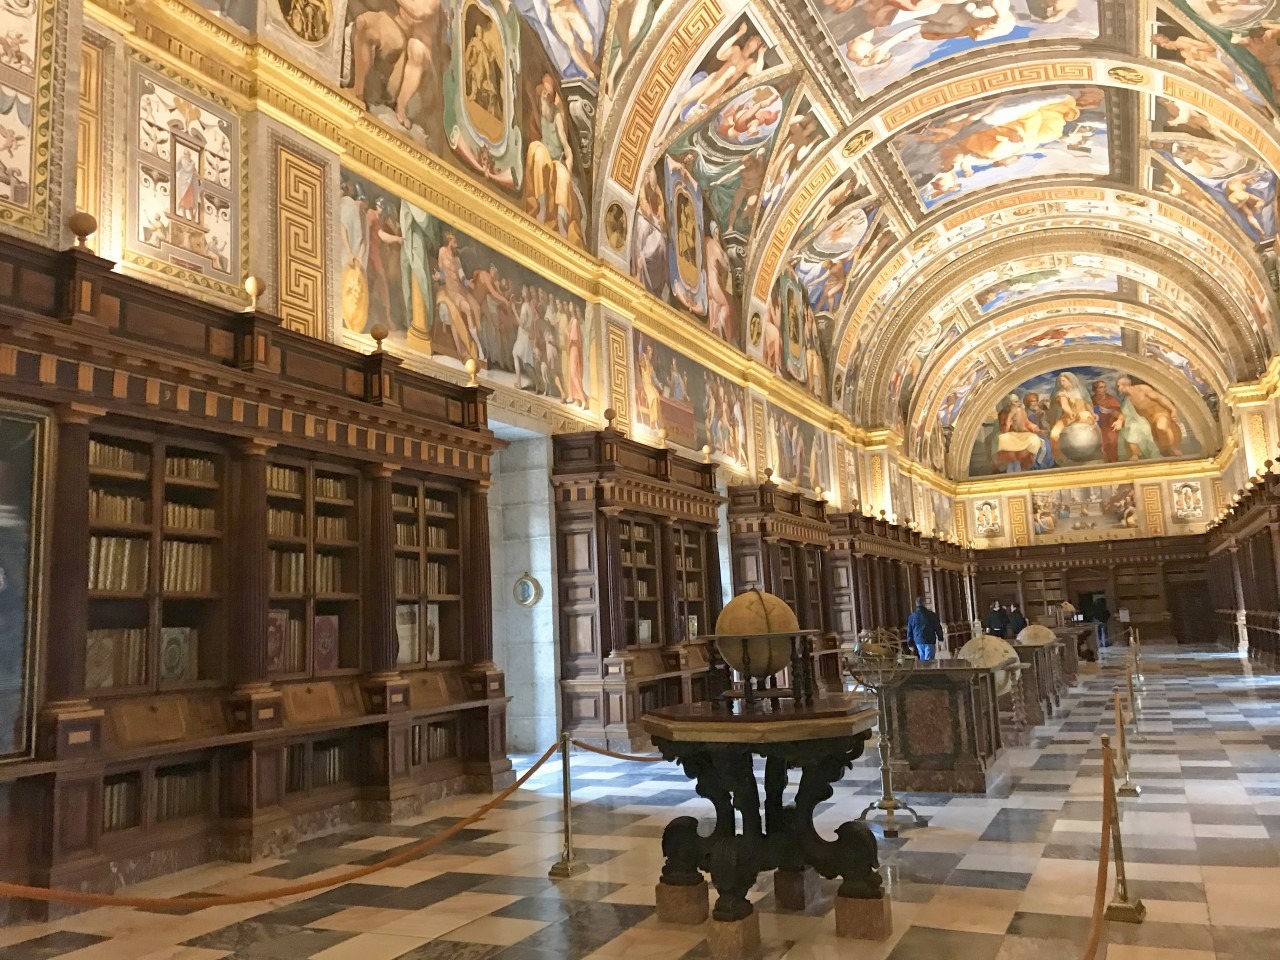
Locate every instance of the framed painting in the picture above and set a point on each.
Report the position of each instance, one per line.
(24, 436)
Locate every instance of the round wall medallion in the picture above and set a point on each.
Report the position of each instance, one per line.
(1130, 75)
(311, 20)
(615, 225)
(528, 591)
(857, 143)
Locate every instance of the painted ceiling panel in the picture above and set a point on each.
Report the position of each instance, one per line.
(836, 188)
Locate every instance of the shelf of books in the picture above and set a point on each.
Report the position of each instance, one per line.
(691, 576)
(428, 574)
(313, 624)
(642, 581)
(155, 536)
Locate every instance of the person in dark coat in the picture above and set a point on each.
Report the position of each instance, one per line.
(1102, 616)
(924, 630)
(1017, 622)
(997, 622)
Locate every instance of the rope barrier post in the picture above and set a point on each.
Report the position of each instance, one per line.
(1135, 710)
(1128, 788)
(1137, 656)
(568, 865)
(1097, 922)
(1124, 907)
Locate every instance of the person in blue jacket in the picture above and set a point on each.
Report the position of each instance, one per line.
(924, 630)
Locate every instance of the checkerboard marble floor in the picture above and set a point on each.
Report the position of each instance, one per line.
(1005, 877)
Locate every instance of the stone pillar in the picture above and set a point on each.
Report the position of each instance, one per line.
(68, 725)
(385, 690)
(254, 704)
(1242, 629)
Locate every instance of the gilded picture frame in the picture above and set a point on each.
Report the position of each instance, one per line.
(527, 590)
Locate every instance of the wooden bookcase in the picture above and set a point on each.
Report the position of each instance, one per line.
(313, 522)
(778, 544)
(156, 519)
(269, 593)
(638, 581)
(878, 568)
(429, 607)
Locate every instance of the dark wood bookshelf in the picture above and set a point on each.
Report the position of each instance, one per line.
(635, 526)
(215, 475)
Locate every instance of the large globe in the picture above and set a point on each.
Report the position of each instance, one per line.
(986, 652)
(753, 615)
(1035, 635)
(1080, 442)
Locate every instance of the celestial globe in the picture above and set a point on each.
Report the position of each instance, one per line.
(753, 615)
(985, 652)
(1080, 442)
(1035, 635)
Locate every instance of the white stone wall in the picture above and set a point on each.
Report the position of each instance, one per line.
(524, 638)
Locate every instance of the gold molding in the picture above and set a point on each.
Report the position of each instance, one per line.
(302, 270)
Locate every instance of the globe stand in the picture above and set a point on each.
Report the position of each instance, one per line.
(722, 691)
(879, 662)
(888, 804)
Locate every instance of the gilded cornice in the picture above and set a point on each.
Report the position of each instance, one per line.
(1261, 390)
(1092, 477)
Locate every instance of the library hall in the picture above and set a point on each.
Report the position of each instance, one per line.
(639, 479)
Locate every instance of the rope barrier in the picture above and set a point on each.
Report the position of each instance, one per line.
(411, 852)
(616, 756)
(1098, 920)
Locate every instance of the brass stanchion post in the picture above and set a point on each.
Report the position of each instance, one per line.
(1123, 908)
(1135, 710)
(1128, 788)
(1137, 655)
(568, 865)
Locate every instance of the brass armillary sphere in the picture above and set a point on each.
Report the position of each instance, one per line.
(880, 661)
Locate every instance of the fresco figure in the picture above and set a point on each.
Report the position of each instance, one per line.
(1003, 133)
(1072, 406)
(739, 56)
(548, 172)
(407, 41)
(459, 306)
(1020, 443)
(649, 237)
(1148, 426)
(936, 20)
(575, 32)
(719, 304)
(1106, 410)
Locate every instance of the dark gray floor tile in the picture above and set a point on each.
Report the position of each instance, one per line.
(51, 945)
(927, 943)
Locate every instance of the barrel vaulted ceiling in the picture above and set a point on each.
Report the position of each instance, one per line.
(900, 204)
(895, 205)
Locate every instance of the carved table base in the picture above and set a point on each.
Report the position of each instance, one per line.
(783, 837)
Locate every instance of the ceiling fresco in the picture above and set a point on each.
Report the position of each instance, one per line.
(887, 203)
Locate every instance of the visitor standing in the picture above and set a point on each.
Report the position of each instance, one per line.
(1102, 616)
(1017, 622)
(997, 622)
(924, 630)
